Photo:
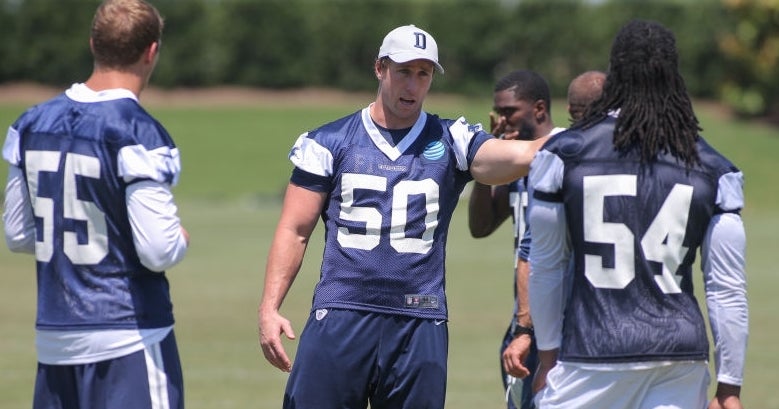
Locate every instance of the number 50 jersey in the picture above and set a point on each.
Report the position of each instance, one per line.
(388, 210)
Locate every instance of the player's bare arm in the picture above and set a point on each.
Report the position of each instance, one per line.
(517, 351)
(523, 300)
(498, 161)
(488, 208)
(298, 218)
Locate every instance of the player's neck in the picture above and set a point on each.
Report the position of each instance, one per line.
(102, 80)
(544, 129)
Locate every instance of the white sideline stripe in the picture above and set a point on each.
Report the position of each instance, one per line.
(158, 380)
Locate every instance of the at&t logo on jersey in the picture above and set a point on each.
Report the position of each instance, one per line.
(434, 151)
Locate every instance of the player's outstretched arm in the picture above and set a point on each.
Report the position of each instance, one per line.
(299, 216)
(501, 161)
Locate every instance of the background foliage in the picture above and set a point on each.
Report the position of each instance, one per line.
(729, 48)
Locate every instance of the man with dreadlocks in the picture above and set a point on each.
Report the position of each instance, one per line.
(630, 193)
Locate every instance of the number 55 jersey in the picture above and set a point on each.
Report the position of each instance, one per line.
(78, 155)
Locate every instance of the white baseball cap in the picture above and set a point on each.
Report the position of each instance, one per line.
(407, 43)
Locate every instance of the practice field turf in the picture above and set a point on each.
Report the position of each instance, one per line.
(234, 170)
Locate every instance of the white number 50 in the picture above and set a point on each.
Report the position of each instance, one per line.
(398, 219)
(96, 248)
(661, 243)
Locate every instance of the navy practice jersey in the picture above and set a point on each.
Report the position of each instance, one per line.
(78, 158)
(388, 210)
(634, 231)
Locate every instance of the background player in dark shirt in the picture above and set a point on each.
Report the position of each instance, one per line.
(521, 110)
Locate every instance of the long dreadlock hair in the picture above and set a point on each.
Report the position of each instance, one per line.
(643, 82)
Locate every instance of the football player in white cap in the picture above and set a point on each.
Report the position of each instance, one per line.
(385, 181)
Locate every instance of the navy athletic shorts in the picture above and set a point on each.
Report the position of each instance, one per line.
(150, 378)
(347, 359)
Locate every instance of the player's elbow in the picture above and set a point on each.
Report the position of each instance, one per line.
(20, 243)
(158, 265)
(479, 232)
(161, 262)
(160, 256)
(482, 224)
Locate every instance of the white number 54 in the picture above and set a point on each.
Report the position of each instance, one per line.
(661, 243)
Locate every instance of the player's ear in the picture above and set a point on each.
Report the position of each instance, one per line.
(539, 109)
(153, 51)
(378, 67)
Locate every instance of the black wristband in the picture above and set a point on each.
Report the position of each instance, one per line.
(519, 330)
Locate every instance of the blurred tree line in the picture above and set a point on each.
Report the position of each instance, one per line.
(729, 48)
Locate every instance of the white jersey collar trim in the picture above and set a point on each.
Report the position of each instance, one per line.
(392, 152)
(81, 93)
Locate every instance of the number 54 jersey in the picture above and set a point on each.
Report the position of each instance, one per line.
(634, 230)
(388, 210)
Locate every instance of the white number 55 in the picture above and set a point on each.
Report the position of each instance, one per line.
(96, 248)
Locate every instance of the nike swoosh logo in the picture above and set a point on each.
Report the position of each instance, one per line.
(438, 322)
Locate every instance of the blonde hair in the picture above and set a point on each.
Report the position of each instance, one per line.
(122, 30)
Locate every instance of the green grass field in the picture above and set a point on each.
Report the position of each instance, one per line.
(234, 170)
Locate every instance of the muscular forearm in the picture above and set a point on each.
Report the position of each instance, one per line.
(284, 261)
(481, 211)
(500, 161)
(523, 303)
(298, 219)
